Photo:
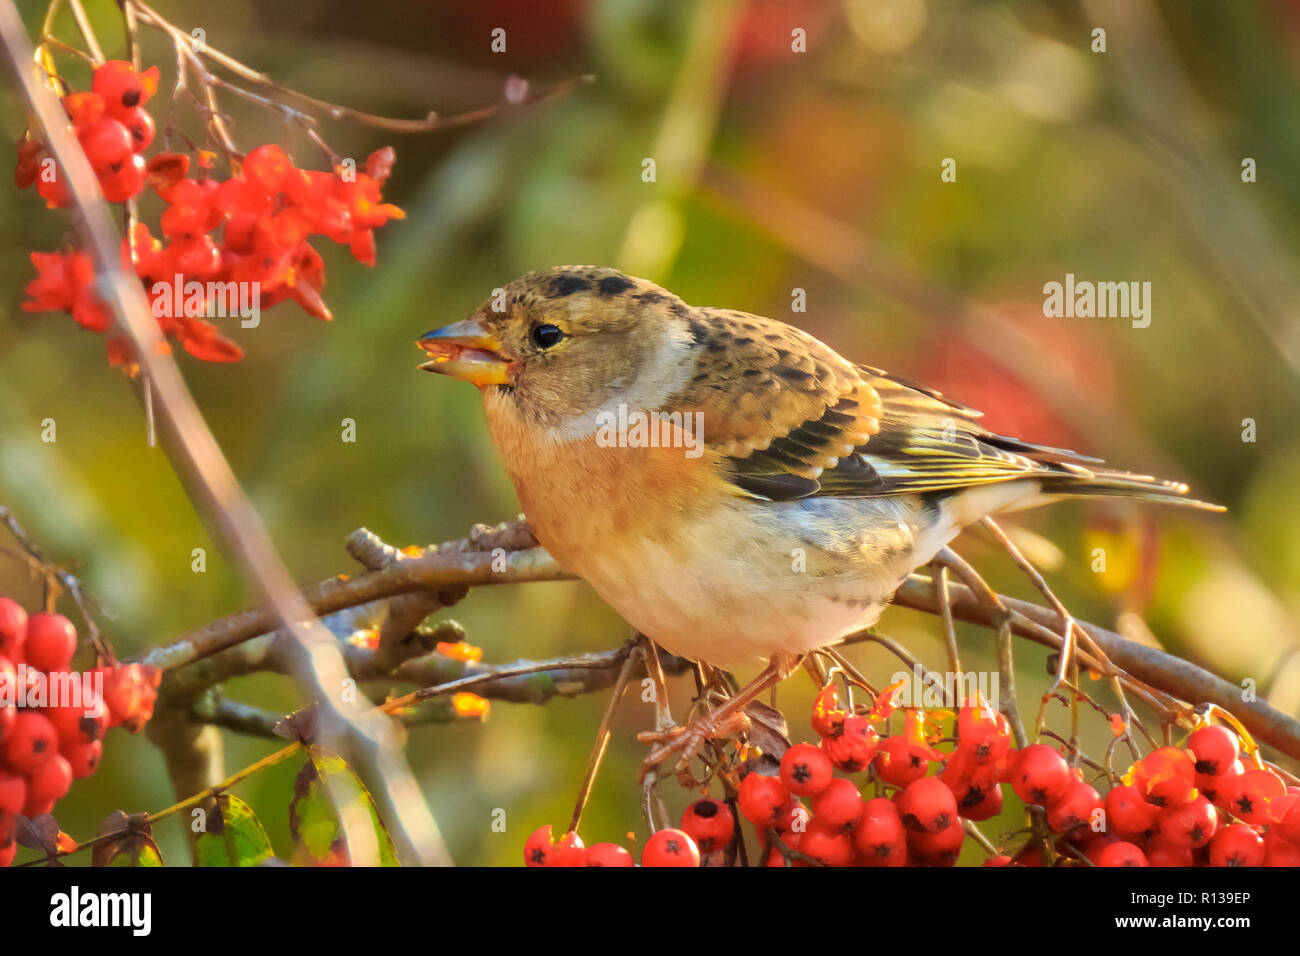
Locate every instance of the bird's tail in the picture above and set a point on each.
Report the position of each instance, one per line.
(1082, 482)
(1065, 473)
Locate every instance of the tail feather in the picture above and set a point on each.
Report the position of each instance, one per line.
(1067, 473)
(1077, 481)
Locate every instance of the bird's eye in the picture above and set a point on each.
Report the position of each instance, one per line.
(546, 335)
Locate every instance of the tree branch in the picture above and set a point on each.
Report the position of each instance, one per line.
(448, 570)
(1150, 665)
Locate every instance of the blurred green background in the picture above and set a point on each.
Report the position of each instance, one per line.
(776, 170)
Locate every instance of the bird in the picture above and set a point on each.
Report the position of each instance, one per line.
(733, 487)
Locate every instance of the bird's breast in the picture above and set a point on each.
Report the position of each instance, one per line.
(586, 494)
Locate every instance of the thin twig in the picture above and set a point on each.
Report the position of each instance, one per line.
(602, 737)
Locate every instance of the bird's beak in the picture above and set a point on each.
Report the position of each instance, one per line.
(466, 350)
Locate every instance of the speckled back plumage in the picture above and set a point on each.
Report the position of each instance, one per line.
(757, 380)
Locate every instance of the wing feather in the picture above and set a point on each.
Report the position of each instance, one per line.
(788, 418)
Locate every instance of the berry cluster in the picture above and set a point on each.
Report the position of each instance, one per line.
(113, 128)
(1199, 805)
(707, 828)
(1189, 806)
(245, 236)
(1196, 805)
(51, 727)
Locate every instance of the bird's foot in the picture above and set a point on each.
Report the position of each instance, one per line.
(685, 741)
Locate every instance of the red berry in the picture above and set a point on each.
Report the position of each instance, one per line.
(1279, 851)
(84, 758)
(122, 87)
(82, 718)
(899, 763)
(827, 846)
(710, 824)
(794, 816)
(1215, 749)
(938, 849)
(538, 846)
(975, 785)
(32, 741)
(27, 169)
(853, 747)
(1260, 797)
(978, 800)
(1191, 824)
(1160, 852)
(13, 629)
(1121, 853)
(1040, 774)
(1237, 845)
(130, 691)
(983, 732)
(827, 717)
(51, 641)
(1030, 855)
(568, 851)
(763, 800)
(47, 785)
(83, 108)
(1000, 860)
(1091, 842)
(1074, 808)
(805, 770)
(879, 837)
(13, 793)
(198, 256)
(670, 848)
(607, 854)
(8, 838)
(184, 220)
(268, 168)
(838, 807)
(107, 144)
(1166, 777)
(1218, 788)
(927, 806)
(124, 183)
(54, 189)
(1128, 814)
(140, 125)
(1289, 826)
(8, 697)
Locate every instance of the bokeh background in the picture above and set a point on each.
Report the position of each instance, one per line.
(776, 170)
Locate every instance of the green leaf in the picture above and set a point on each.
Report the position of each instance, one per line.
(232, 837)
(131, 845)
(314, 821)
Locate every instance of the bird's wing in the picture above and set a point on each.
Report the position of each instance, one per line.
(779, 407)
(930, 443)
(790, 418)
(927, 443)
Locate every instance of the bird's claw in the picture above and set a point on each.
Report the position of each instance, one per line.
(685, 741)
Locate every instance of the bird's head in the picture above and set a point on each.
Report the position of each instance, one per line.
(564, 342)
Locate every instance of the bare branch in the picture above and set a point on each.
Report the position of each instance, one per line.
(448, 570)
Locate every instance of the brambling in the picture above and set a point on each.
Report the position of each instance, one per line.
(733, 487)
